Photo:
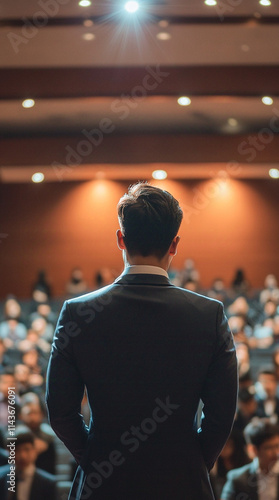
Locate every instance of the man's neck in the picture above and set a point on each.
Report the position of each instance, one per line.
(147, 261)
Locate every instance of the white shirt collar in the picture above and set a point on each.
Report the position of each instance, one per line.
(144, 269)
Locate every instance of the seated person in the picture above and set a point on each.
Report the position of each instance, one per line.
(246, 408)
(266, 394)
(232, 456)
(31, 483)
(259, 479)
(33, 417)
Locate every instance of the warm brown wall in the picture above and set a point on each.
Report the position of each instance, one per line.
(58, 226)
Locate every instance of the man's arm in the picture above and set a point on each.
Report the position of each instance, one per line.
(230, 489)
(65, 388)
(219, 393)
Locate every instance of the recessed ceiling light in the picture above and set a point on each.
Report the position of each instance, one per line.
(274, 173)
(84, 3)
(28, 103)
(266, 3)
(88, 23)
(267, 100)
(210, 2)
(184, 101)
(163, 35)
(232, 122)
(131, 6)
(38, 177)
(163, 23)
(88, 36)
(159, 174)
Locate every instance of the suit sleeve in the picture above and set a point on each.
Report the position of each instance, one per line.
(229, 490)
(219, 393)
(65, 388)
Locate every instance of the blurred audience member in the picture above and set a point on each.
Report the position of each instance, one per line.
(11, 331)
(243, 358)
(189, 273)
(270, 290)
(31, 483)
(42, 284)
(76, 285)
(232, 456)
(266, 394)
(217, 290)
(239, 283)
(32, 416)
(259, 479)
(246, 408)
(12, 309)
(104, 277)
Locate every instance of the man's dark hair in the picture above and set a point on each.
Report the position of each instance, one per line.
(149, 218)
(260, 430)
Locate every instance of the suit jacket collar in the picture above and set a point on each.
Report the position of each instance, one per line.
(143, 279)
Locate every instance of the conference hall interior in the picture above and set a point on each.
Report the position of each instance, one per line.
(96, 96)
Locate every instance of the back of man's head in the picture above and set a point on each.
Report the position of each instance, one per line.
(149, 218)
(260, 430)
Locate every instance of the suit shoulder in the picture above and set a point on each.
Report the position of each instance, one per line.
(239, 473)
(91, 296)
(195, 297)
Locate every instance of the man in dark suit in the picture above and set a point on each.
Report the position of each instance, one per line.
(147, 352)
(260, 479)
(22, 480)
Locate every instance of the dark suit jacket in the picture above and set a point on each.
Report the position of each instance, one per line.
(242, 484)
(146, 351)
(43, 485)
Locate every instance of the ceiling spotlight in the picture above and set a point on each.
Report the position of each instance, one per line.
(88, 23)
(184, 101)
(88, 36)
(84, 3)
(163, 35)
(28, 103)
(38, 177)
(210, 2)
(232, 122)
(274, 173)
(267, 100)
(131, 6)
(266, 3)
(163, 23)
(159, 174)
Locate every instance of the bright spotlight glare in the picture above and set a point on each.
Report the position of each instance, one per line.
(274, 173)
(131, 6)
(38, 177)
(28, 103)
(184, 101)
(267, 100)
(84, 3)
(159, 174)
